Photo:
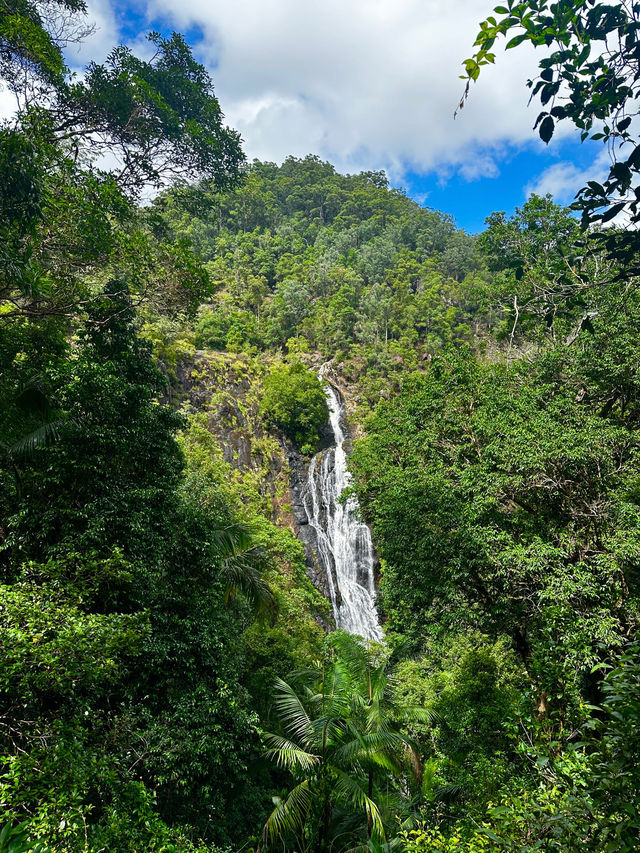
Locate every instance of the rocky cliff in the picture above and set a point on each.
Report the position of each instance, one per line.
(227, 387)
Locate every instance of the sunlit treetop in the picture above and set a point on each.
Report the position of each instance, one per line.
(159, 118)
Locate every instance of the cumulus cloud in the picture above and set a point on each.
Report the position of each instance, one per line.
(364, 83)
(564, 179)
(100, 40)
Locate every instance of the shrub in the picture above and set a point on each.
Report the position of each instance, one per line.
(294, 401)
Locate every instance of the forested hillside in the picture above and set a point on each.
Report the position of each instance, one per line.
(306, 259)
(170, 676)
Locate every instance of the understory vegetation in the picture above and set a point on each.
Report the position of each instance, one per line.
(168, 677)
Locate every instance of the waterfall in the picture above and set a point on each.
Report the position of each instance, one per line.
(344, 543)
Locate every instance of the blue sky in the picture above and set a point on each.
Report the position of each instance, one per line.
(521, 169)
(369, 84)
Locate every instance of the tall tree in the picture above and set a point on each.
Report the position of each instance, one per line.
(64, 220)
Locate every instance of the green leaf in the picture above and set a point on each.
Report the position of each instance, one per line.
(613, 212)
(546, 129)
(596, 187)
(516, 40)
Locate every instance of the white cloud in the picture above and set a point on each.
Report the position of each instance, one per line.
(7, 103)
(98, 43)
(564, 179)
(482, 165)
(364, 83)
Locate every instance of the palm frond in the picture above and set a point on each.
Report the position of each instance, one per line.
(243, 563)
(337, 690)
(351, 790)
(232, 539)
(448, 793)
(305, 675)
(349, 651)
(288, 754)
(419, 714)
(377, 847)
(242, 575)
(44, 435)
(289, 815)
(386, 748)
(293, 713)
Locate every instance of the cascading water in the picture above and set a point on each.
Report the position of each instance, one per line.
(344, 543)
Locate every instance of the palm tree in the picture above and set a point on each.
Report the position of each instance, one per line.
(243, 564)
(380, 717)
(341, 735)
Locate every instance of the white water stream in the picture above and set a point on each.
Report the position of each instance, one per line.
(344, 542)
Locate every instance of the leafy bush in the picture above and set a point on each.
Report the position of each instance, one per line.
(294, 400)
(226, 328)
(13, 839)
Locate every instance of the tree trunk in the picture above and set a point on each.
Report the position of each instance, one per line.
(325, 824)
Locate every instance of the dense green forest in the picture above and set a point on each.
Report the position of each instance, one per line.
(169, 676)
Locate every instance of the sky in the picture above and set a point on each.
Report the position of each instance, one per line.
(369, 84)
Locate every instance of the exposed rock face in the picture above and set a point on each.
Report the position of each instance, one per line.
(299, 468)
(224, 386)
(228, 388)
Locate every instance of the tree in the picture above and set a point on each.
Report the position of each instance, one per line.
(291, 304)
(66, 225)
(294, 400)
(160, 116)
(583, 799)
(32, 35)
(341, 731)
(117, 576)
(541, 269)
(614, 777)
(589, 77)
(540, 232)
(491, 492)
